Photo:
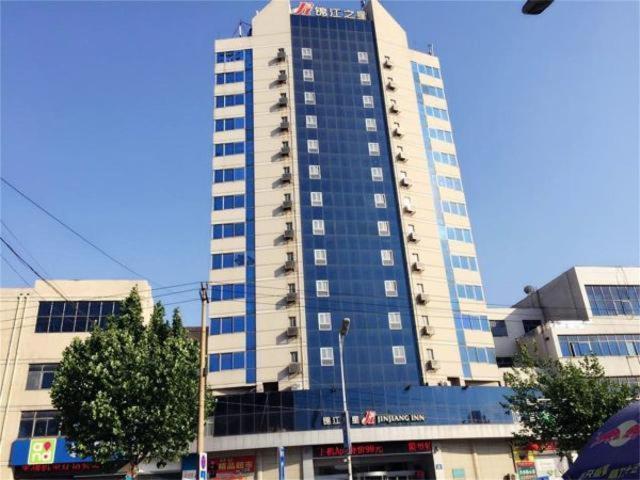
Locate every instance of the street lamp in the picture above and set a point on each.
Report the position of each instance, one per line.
(346, 433)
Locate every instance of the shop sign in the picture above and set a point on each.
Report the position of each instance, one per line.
(364, 449)
(59, 468)
(42, 450)
(370, 417)
(526, 470)
(308, 9)
(232, 467)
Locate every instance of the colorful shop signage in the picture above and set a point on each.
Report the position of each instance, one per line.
(238, 467)
(373, 448)
(370, 418)
(309, 9)
(42, 450)
(526, 470)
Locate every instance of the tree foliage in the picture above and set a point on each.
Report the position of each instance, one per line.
(562, 402)
(130, 392)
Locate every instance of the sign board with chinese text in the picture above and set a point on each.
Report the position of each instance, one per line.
(238, 467)
(373, 448)
(310, 10)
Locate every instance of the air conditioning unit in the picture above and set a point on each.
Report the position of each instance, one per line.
(398, 132)
(260, 387)
(284, 124)
(294, 368)
(282, 76)
(287, 205)
(286, 177)
(401, 157)
(405, 182)
(428, 330)
(413, 237)
(288, 234)
(394, 108)
(291, 297)
(391, 85)
(409, 209)
(422, 298)
(285, 150)
(418, 266)
(281, 55)
(292, 332)
(388, 63)
(296, 386)
(289, 266)
(283, 101)
(433, 365)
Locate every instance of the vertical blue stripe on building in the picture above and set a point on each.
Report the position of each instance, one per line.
(352, 243)
(250, 299)
(442, 231)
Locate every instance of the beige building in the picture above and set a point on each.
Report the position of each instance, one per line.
(337, 193)
(37, 324)
(585, 310)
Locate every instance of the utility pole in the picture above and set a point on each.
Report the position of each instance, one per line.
(202, 455)
(346, 430)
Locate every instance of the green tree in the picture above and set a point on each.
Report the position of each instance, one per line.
(129, 392)
(562, 402)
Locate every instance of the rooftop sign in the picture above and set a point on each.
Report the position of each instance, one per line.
(308, 9)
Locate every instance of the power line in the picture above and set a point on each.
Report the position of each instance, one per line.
(16, 272)
(24, 262)
(75, 232)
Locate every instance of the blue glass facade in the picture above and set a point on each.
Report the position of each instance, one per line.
(353, 245)
(305, 410)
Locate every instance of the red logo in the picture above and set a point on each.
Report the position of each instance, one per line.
(303, 8)
(369, 418)
(619, 435)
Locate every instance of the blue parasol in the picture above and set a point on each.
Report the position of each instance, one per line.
(613, 452)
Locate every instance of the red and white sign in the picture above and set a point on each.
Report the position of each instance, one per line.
(369, 418)
(303, 8)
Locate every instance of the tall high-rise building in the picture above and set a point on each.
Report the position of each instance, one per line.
(337, 194)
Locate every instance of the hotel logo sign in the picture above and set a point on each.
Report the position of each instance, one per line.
(308, 9)
(371, 418)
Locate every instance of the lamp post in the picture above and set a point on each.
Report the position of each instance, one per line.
(346, 428)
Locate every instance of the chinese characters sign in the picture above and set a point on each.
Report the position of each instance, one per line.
(232, 467)
(363, 449)
(370, 417)
(308, 9)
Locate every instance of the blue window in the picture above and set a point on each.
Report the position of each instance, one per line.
(238, 360)
(454, 208)
(614, 300)
(229, 100)
(229, 77)
(230, 56)
(459, 234)
(481, 354)
(602, 345)
(434, 91)
(227, 291)
(225, 149)
(228, 230)
(214, 362)
(472, 322)
(227, 260)
(445, 158)
(466, 263)
(442, 135)
(450, 182)
(228, 202)
(226, 361)
(224, 325)
(437, 112)
(83, 316)
(225, 124)
(428, 70)
(228, 175)
(471, 292)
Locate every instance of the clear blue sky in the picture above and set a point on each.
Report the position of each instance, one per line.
(106, 120)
